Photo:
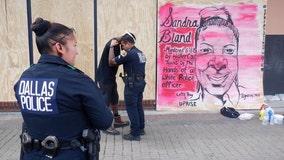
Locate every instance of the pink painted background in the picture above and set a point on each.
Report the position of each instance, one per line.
(176, 70)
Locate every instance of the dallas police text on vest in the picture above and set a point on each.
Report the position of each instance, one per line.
(38, 95)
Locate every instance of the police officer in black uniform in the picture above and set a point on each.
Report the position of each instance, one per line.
(106, 77)
(58, 102)
(133, 61)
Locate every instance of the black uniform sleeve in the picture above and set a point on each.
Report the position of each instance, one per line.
(94, 105)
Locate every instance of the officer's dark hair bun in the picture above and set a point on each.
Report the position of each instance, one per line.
(40, 26)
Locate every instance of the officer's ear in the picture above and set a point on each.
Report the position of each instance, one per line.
(59, 48)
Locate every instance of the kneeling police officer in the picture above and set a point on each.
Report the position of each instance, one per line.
(63, 109)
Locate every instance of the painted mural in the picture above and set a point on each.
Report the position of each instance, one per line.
(210, 56)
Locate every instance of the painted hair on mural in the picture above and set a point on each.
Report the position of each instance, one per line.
(211, 16)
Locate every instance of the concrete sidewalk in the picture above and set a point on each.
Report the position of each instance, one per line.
(179, 136)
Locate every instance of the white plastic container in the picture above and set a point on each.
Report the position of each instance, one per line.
(265, 120)
(278, 119)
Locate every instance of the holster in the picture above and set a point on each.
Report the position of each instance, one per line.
(92, 138)
(129, 81)
(26, 142)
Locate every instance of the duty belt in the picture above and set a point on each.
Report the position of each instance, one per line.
(139, 77)
(50, 144)
(134, 78)
(73, 144)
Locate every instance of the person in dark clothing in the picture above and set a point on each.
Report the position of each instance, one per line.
(106, 77)
(57, 100)
(134, 62)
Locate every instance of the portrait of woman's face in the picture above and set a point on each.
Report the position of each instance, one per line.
(216, 59)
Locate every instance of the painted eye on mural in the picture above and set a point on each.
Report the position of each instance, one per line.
(205, 51)
(229, 50)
